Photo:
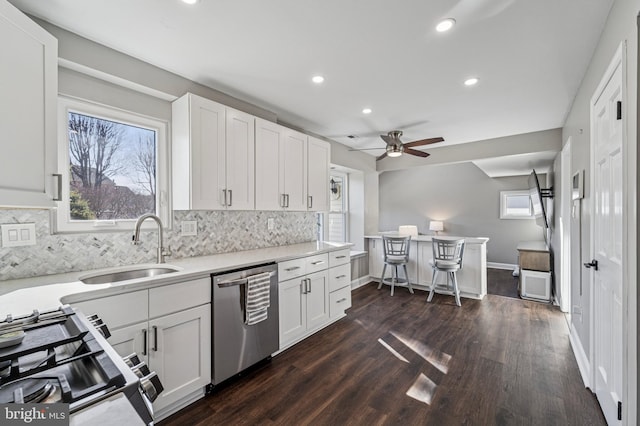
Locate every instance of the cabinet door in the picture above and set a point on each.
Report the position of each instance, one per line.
(198, 153)
(29, 87)
(376, 257)
(293, 170)
(267, 178)
(293, 310)
(131, 339)
(317, 299)
(319, 157)
(180, 352)
(425, 256)
(472, 278)
(240, 164)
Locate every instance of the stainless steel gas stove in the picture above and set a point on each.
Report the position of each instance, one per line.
(62, 357)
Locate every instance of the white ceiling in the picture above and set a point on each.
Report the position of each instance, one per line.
(530, 57)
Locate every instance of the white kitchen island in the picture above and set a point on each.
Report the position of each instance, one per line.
(472, 279)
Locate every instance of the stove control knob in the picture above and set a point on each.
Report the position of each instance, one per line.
(97, 322)
(141, 370)
(151, 386)
(132, 360)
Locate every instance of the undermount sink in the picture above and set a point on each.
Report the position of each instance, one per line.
(128, 274)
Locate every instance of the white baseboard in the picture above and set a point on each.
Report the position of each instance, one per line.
(496, 265)
(581, 357)
(359, 282)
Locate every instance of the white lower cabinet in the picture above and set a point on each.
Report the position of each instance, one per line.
(304, 306)
(169, 327)
(339, 282)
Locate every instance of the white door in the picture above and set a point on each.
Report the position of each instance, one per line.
(293, 170)
(267, 185)
(317, 299)
(240, 160)
(607, 246)
(293, 310)
(319, 156)
(180, 352)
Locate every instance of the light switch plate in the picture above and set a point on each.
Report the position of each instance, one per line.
(18, 234)
(188, 228)
(271, 224)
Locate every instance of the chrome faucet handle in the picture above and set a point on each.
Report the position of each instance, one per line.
(134, 241)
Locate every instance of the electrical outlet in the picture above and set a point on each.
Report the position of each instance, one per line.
(271, 224)
(188, 228)
(18, 234)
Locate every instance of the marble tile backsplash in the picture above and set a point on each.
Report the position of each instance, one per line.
(218, 232)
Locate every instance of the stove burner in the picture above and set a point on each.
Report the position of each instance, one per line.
(33, 390)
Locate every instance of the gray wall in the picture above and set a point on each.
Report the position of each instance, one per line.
(621, 27)
(461, 195)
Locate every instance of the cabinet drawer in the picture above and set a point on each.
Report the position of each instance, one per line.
(291, 269)
(119, 310)
(339, 301)
(339, 277)
(317, 263)
(178, 297)
(339, 257)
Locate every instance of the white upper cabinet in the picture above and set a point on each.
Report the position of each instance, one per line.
(29, 88)
(212, 156)
(240, 159)
(319, 157)
(293, 170)
(268, 141)
(281, 167)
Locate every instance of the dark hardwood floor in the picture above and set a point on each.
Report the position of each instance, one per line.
(401, 360)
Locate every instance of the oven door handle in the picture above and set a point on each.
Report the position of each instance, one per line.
(241, 281)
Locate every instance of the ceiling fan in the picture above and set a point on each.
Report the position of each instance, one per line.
(396, 148)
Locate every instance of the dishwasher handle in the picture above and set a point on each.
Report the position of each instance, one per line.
(240, 281)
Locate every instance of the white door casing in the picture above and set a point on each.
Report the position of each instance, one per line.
(607, 241)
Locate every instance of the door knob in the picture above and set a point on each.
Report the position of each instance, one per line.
(593, 264)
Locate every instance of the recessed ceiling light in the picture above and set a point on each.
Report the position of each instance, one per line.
(445, 25)
(367, 111)
(190, 1)
(471, 81)
(317, 79)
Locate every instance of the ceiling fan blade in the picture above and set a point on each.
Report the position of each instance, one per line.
(381, 157)
(365, 149)
(423, 142)
(416, 152)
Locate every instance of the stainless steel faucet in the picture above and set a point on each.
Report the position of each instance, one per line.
(162, 252)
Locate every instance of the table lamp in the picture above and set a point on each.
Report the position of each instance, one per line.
(436, 226)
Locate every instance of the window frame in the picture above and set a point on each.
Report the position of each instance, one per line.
(63, 222)
(504, 195)
(344, 212)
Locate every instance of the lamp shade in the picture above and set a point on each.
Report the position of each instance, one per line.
(436, 225)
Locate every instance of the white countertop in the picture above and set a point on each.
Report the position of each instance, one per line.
(532, 246)
(23, 295)
(468, 240)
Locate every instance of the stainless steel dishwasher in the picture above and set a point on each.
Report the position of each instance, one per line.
(237, 346)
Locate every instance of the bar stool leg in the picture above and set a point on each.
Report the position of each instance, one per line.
(394, 277)
(406, 275)
(384, 269)
(455, 288)
(433, 284)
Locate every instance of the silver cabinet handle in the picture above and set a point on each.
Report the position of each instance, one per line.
(317, 262)
(341, 257)
(310, 201)
(340, 276)
(224, 197)
(287, 198)
(344, 299)
(155, 339)
(144, 341)
(59, 179)
(283, 204)
(230, 198)
(293, 268)
(309, 284)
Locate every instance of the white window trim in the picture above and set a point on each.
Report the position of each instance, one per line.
(503, 205)
(345, 203)
(62, 222)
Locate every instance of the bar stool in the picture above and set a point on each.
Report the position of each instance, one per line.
(447, 257)
(396, 253)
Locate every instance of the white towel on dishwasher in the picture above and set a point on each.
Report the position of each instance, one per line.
(257, 298)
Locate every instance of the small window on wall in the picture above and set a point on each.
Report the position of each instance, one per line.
(515, 205)
(338, 207)
(115, 167)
